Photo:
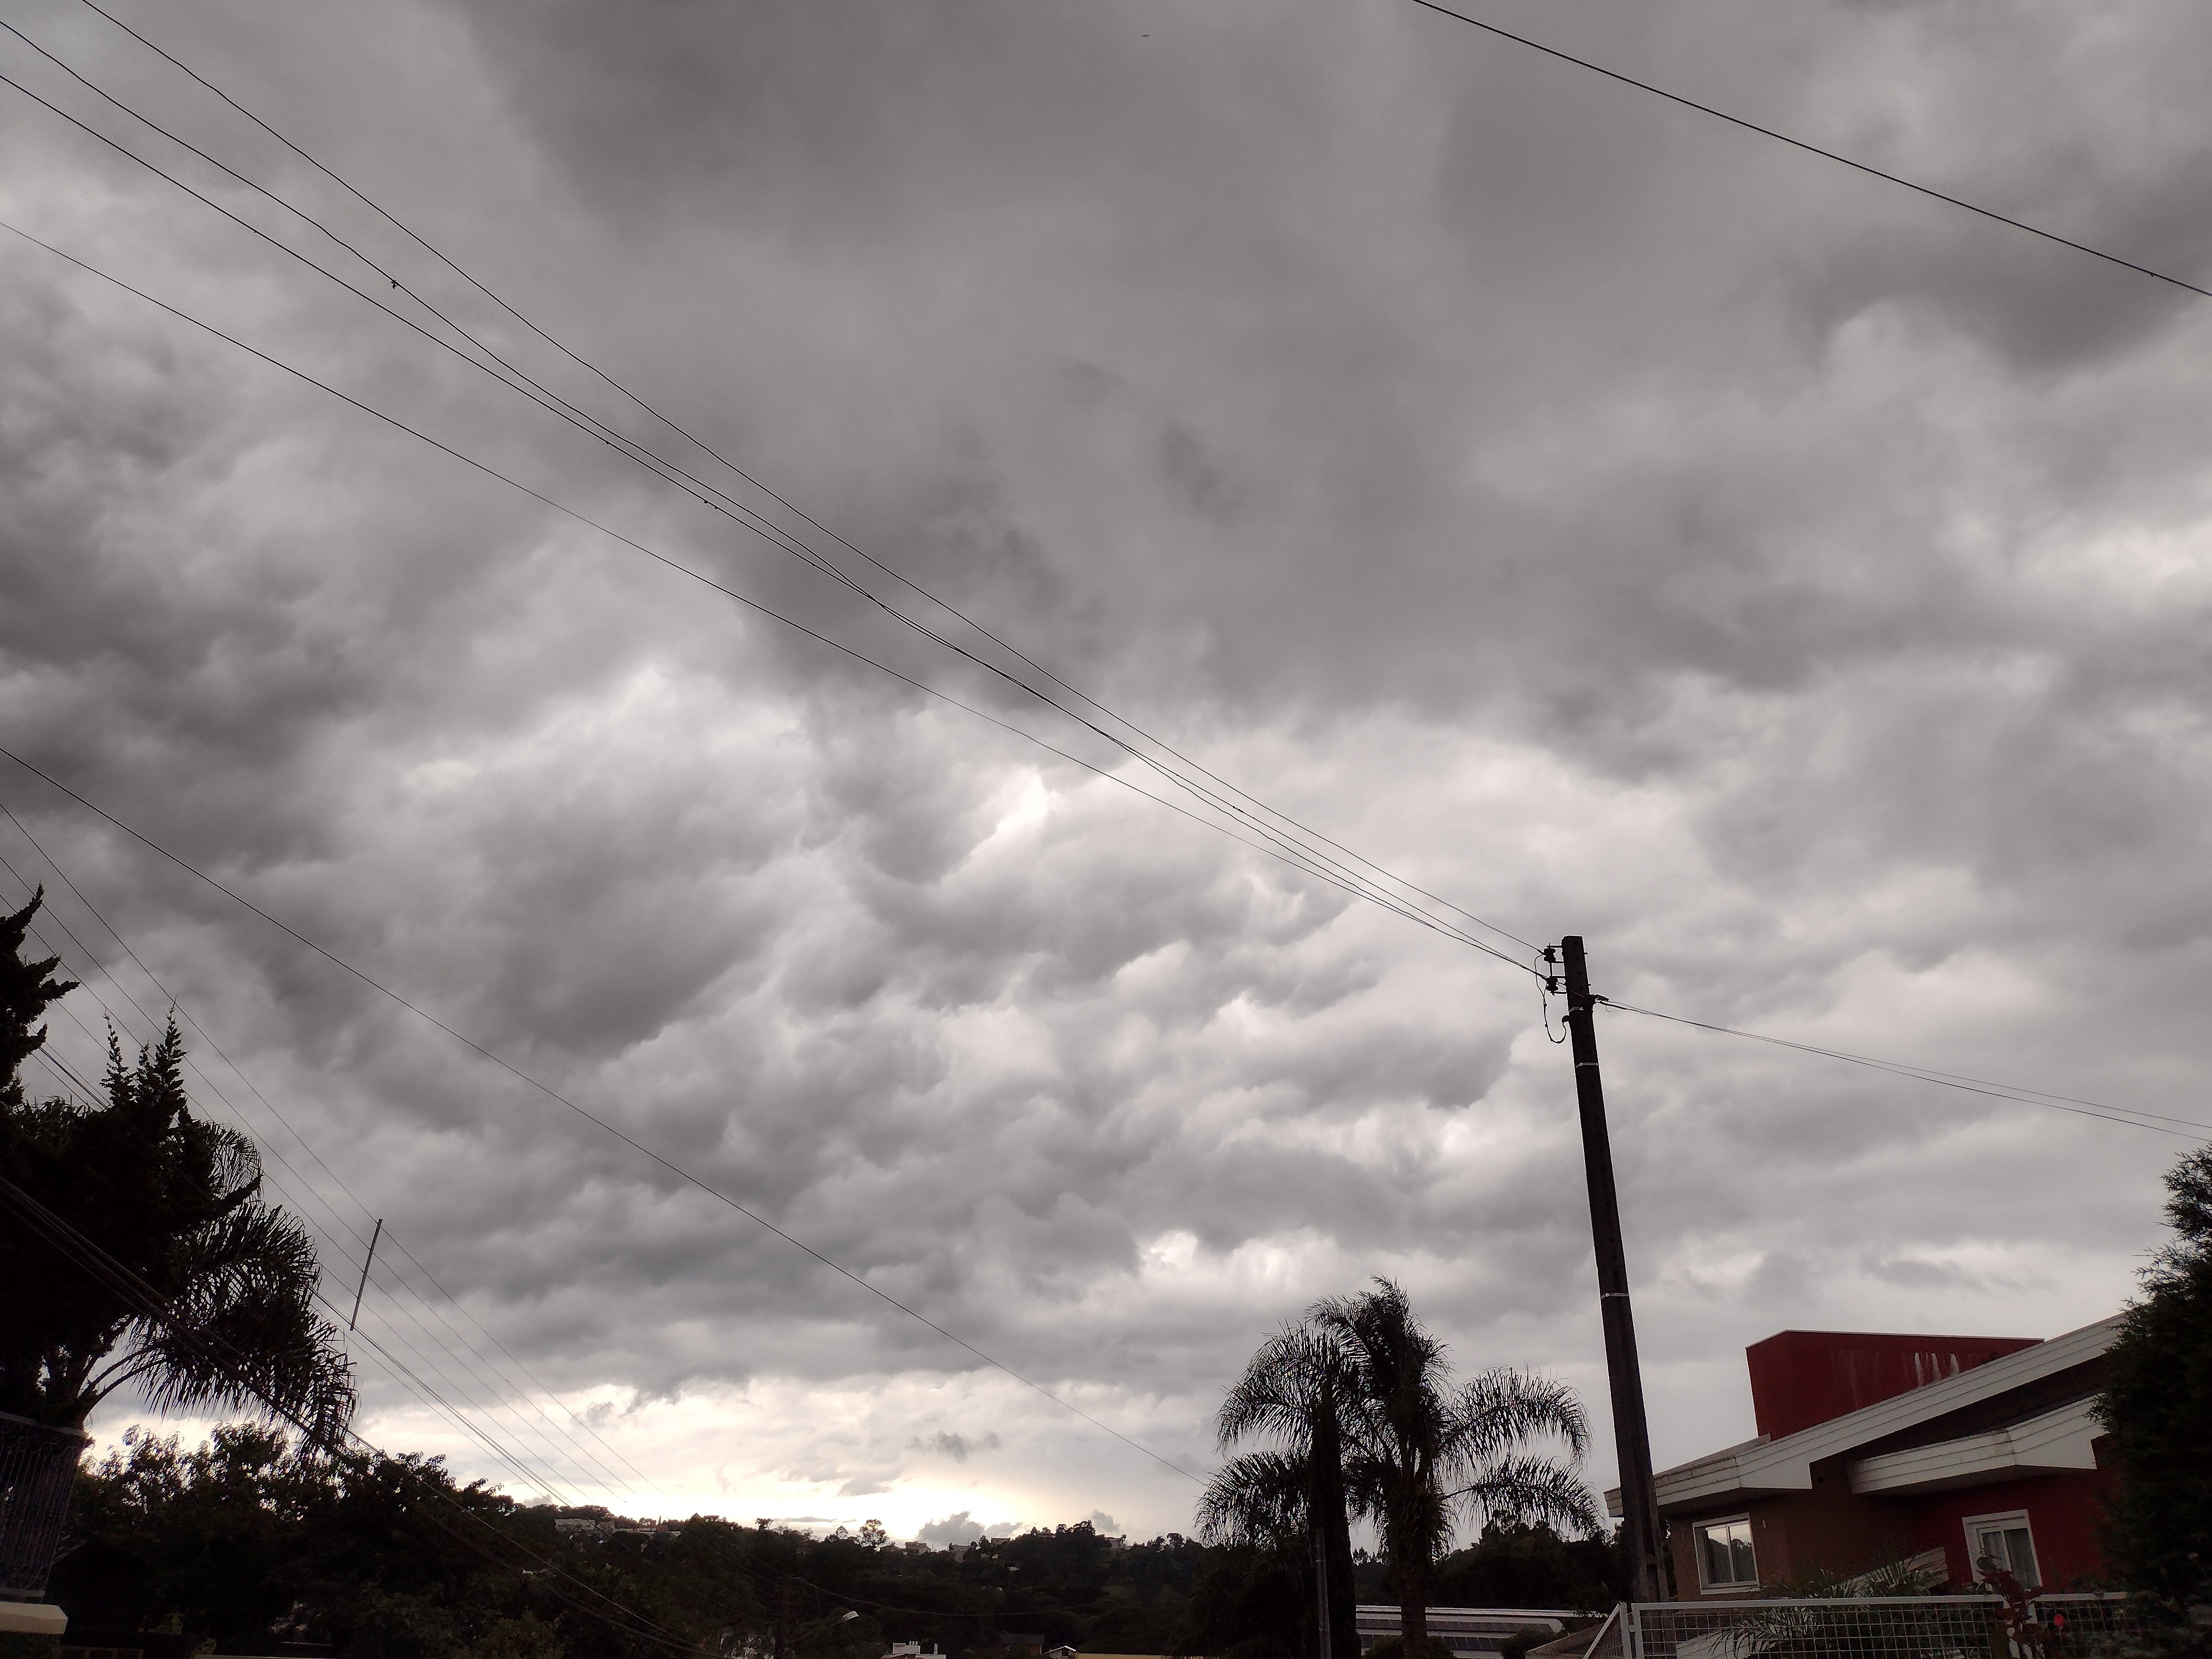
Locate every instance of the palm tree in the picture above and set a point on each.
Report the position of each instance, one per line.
(1292, 1392)
(174, 1204)
(1418, 1447)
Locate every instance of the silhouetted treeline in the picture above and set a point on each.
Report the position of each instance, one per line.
(249, 1545)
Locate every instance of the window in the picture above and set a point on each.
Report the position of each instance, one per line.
(1724, 1556)
(2002, 1542)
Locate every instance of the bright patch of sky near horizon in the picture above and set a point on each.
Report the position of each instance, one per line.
(1614, 523)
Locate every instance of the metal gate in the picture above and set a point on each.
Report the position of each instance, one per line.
(38, 1465)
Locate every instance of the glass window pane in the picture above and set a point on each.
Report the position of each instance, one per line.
(1724, 1553)
(2020, 1555)
(1747, 1570)
(1715, 1553)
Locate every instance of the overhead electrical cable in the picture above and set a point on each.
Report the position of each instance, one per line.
(390, 1235)
(589, 1117)
(468, 1357)
(507, 375)
(470, 1360)
(501, 1455)
(1282, 841)
(1809, 148)
(1944, 1080)
(122, 1281)
(748, 517)
(1273, 847)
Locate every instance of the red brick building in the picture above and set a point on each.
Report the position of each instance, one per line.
(1875, 1449)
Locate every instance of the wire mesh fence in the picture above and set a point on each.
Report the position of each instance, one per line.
(37, 1466)
(2069, 1626)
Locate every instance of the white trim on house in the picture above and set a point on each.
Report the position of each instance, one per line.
(32, 1619)
(1705, 1580)
(2057, 1440)
(2004, 1520)
(1762, 1467)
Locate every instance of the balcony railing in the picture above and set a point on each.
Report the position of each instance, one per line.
(37, 1465)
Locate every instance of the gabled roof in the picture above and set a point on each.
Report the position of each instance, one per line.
(1760, 1467)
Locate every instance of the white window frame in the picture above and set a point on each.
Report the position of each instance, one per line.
(2001, 1520)
(1698, 1549)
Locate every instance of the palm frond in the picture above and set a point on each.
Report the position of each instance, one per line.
(1529, 1490)
(1504, 1408)
(1255, 1500)
(245, 1332)
(1282, 1386)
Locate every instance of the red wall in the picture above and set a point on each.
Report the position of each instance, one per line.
(1799, 1378)
(2064, 1513)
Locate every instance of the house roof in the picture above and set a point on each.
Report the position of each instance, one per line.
(1758, 1468)
(2044, 1444)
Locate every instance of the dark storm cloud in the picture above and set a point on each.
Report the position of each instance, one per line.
(1795, 585)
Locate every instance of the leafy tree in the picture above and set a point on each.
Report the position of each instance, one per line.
(1513, 1566)
(1249, 1603)
(1290, 1499)
(248, 1537)
(1418, 1447)
(2156, 1404)
(176, 1202)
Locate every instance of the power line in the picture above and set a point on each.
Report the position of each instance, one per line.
(1809, 148)
(671, 472)
(792, 545)
(1293, 850)
(588, 1115)
(1273, 846)
(1943, 1079)
(148, 1304)
(406, 1376)
(489, 1371)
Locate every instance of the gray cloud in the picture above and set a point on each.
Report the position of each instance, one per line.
(1616, 525)
(957, 1447)
(962, 1528)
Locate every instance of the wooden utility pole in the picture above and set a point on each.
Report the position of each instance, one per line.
(1640, 1525)
(354, 1319)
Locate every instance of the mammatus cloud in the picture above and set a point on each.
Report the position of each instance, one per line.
(1610, 523)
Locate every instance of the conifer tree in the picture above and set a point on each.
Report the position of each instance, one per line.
(216, 1303)
(2157, 1407)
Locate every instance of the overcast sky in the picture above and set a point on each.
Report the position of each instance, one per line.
(1611, 520)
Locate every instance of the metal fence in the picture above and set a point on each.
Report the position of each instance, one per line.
(2078, 1626)
(37, 1465)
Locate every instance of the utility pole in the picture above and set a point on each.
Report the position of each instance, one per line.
(1639, 1508)
(354, 1319)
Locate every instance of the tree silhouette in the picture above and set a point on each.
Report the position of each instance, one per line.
(1420, 1448)
(174, 1204)
(2157, 1402)
(1290, 1497)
